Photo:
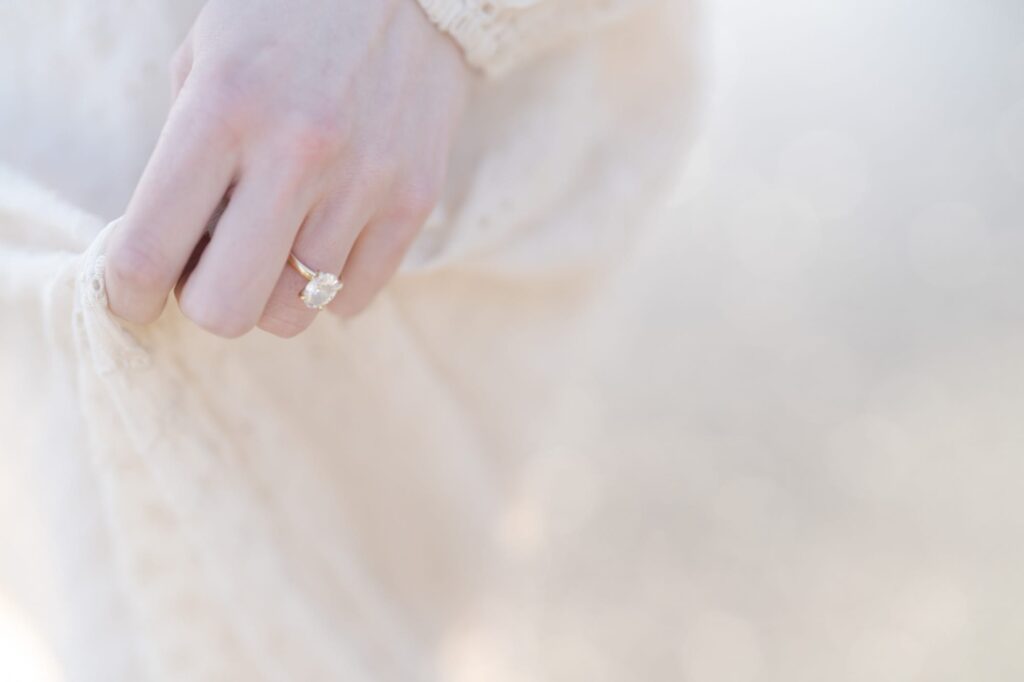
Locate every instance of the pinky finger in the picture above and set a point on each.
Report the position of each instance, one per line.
(373, 261)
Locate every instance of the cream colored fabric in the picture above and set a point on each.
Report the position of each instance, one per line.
(499, 35)
(328, 508)
(782, 445)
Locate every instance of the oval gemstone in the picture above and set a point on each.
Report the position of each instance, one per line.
(320, 290)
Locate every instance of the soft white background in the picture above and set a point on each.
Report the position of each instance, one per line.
(820, 354)
(827, 343)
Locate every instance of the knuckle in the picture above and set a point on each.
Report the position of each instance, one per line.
(237, 98)
(378, 169)
(415, 199)
(283, 324)
(313, 139)
(398, 244)
(351, 306)
(392, 243)
(229, 99)
(282, 331)
(302, 148)
(226, 112)
(364, 287)
(134, 263)
(214, 315)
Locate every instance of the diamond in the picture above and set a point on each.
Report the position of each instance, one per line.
(320, 290)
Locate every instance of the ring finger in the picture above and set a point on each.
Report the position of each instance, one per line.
(322, 245)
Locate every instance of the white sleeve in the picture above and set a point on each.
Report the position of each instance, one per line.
(499, 35)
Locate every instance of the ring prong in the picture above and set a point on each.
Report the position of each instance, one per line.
(321, 287)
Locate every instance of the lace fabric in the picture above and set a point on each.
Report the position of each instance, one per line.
(326, 507)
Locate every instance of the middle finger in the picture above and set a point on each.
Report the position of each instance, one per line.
(228, 289)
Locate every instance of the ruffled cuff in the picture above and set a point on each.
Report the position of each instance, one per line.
(484, 29)
(498, 35)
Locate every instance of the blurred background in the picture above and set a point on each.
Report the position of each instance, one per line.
(821, 347)
(821, 350)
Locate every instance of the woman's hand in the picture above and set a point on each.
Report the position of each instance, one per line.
(329, 121)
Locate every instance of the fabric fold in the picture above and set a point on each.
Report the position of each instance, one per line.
(334, 506)
(195, 538)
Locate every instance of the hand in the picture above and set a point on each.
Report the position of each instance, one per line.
(328, 122)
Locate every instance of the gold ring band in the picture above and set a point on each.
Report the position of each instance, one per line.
(321, 287)
(303, 269)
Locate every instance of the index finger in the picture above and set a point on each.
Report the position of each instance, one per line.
(183, 184)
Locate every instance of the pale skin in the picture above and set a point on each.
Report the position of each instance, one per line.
(328, 123)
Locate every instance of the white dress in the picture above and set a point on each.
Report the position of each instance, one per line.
(342, 506)
(783, 444)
